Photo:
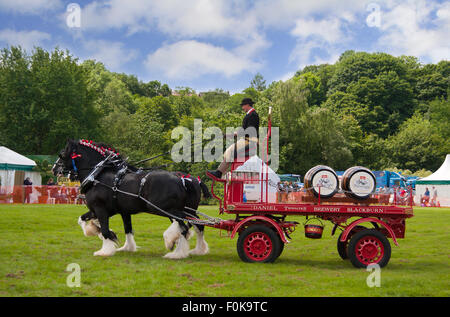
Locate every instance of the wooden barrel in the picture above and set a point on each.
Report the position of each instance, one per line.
(358, 182)
(324, 177)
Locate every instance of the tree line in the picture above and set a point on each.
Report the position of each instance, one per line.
(370, 109)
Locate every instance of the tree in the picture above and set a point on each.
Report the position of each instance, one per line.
(439, 114)
(354, 65)
(44, 99)
(116, 96)
(417, 145)
(389, 100)
(215, 98)
(258, 82)
(325, 73)
(309, 135)
(313, 84)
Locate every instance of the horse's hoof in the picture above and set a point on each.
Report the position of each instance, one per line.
(108, 248)
(127, 249)
(198, 252)
(175, 256)
(103, 253)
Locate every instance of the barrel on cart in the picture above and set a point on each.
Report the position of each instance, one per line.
(359, 182)
(321, 181)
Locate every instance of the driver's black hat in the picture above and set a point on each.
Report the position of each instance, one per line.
(247, 101)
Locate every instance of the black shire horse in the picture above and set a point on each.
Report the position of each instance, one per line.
(106, 181)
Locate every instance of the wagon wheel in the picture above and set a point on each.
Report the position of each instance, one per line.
(258, 243)
(281, 247)
(367, 247)
(342, 246)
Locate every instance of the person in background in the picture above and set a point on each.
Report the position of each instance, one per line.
(50, 182)
(434, 196)
(426, 196)
(28, 189)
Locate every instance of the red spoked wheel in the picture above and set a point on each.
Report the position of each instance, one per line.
(369, 246)
(258, 243)
(342, 246)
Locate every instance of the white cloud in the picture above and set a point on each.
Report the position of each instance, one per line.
(191, 59)
(29, 6)
(420, 29)
(284, 13)
(176, 18)
(26, 39)
(113, 54)
(327, 29)
(191, 24)
(314, 36)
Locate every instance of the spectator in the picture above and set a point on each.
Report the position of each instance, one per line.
(426, 196)
(28, 189)
(50, 182)
(434, 197)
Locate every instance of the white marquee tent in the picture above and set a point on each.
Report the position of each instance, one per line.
(440, 180)
(14, 168)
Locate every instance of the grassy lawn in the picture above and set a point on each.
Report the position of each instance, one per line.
(37, 242)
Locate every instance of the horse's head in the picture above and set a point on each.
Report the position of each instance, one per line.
(64, 163)
(81, 155)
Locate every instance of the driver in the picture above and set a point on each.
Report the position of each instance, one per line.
(251, 120)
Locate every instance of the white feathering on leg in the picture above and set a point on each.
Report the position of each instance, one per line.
(130, 244)
(201, 248)
(181, 251)
(108, 248)
(171, 235)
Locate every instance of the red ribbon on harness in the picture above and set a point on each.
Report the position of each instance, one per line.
(74, 156)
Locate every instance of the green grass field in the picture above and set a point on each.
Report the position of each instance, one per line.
(37, 242)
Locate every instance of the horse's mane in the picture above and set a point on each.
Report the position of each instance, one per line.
(102, 148)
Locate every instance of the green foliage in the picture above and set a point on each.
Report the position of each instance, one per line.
(45, 169)
(313, 84)
(44, 99)
(439, 114)
(309, 136)
(215, 98)
(417, 143)
(370, 109)
(258, 82)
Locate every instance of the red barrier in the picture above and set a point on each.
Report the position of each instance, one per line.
(39, 195)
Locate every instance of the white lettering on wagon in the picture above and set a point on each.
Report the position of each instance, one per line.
(362, 209)
(287, 208)
(327, 209)
(263, 208)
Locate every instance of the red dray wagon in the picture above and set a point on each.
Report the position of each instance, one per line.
(263, 229)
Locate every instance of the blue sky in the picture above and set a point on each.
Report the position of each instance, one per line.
(208, 44)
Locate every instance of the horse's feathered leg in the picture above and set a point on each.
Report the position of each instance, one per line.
(130, 244)
(182, 249)
(108, 237)
(171, 235)
(89, 229)
(201, 248)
